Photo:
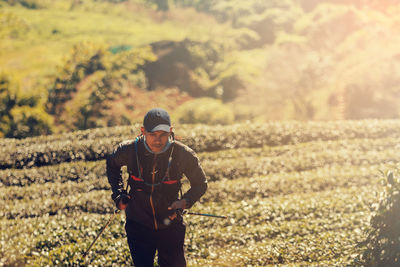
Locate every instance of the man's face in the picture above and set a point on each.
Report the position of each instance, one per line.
(156, 140)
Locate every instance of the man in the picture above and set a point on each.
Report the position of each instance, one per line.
(156, 164)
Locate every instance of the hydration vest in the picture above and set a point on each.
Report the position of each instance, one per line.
(139, 184)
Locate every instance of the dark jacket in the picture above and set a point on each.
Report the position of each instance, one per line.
(152, 187)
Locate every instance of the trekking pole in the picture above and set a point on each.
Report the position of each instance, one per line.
(102, 230)
(125, 200)
(205, 214)
(200, 214)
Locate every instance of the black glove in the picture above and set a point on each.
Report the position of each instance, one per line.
(125, 198)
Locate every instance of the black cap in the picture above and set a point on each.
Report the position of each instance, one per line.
(157, 119)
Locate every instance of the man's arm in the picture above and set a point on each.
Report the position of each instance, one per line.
(114, 163)
(198, 181)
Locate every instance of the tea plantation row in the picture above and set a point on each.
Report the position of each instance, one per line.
(309, 227)
(318, 179)
(296, 194)
(52, 198)
(233, 162)
(87, 146)
(297, 130)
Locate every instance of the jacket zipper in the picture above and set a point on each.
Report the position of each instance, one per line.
(152, 190)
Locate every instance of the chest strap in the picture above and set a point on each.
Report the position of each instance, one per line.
(166, 178)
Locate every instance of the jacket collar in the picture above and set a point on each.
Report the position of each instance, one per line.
(148, 150)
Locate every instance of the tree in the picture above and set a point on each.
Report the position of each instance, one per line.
(263, 20)
(202, 69)
(93, 88)
(162, 5)
(85, 59)
(21, 115)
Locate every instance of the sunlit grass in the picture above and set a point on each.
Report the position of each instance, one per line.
(53, 31)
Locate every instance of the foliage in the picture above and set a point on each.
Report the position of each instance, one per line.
(201, 69)
(162, 5)
(96, 143)
(381, 247)
(31, 4)
(111, 1)
(92, 89)
(96, 88)
(228, 164)
(301, 197)
(21, 115)
(312, 58)
(264, 18)
(218, 75)
(364, 100)
(12, 25)
(37, 41)
(326, 74)
(293, 94)
(204, 110)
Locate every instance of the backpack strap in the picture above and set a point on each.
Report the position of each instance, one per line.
(166, 179)
(139, 168)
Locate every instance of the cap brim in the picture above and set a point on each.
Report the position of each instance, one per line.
(161, 127)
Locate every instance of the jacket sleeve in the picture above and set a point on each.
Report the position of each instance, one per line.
(114, 163)
(197, 178)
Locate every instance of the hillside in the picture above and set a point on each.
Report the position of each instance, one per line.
(69, 65)
(296, 193)
(59, 56)
(39, 38)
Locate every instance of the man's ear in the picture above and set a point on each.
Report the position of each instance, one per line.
(142, 130)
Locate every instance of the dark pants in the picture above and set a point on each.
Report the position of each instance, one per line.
(143, 243)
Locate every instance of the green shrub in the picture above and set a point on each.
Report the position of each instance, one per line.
(383, 240)
(29, 121)
(21, 114)
(206, 111)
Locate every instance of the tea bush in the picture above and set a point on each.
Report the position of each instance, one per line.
(381, 247)
(295, 193)
(95, 144)
(232, 163)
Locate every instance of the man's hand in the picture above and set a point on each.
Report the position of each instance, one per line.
(177, 205)
(123, 202)
(121, 205)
